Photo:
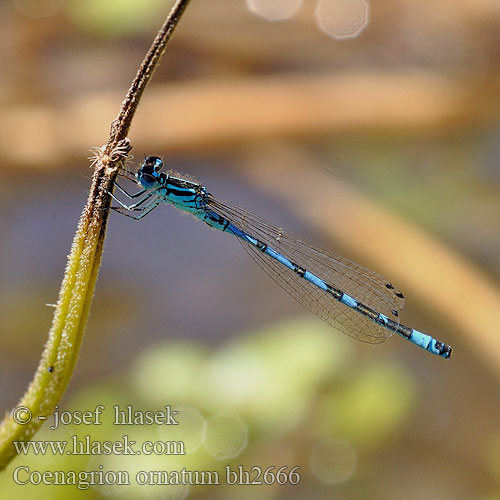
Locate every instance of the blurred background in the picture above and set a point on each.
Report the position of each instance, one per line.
(371, 129)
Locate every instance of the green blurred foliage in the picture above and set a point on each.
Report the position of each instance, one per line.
(283, 385)
(115, 18)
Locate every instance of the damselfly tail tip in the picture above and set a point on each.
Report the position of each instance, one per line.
(444, 350)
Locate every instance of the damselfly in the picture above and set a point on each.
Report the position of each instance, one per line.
(347, 296)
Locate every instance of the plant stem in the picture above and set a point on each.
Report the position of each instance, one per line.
(70, 317)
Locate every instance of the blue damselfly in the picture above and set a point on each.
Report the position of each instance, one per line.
(349, 297)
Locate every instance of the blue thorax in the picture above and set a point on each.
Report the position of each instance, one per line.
(184, 194)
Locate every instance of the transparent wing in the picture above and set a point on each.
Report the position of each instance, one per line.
(363, 284)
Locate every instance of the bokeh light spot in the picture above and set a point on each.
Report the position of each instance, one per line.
(342, 18)
(226, 436)
(174, 492)
(191, 429)
(332, 460)
(274, 10)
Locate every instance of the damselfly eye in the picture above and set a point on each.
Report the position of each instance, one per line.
(147, 179)
(154, 162)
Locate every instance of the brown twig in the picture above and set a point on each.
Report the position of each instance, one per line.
(121, 125)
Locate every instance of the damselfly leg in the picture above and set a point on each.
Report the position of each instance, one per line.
(143, 211)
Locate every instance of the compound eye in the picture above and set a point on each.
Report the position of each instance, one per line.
(147, 179)
(154, 162)
(159, 164)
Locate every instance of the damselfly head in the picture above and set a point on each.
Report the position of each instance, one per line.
(152, 164)
(148, 175)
